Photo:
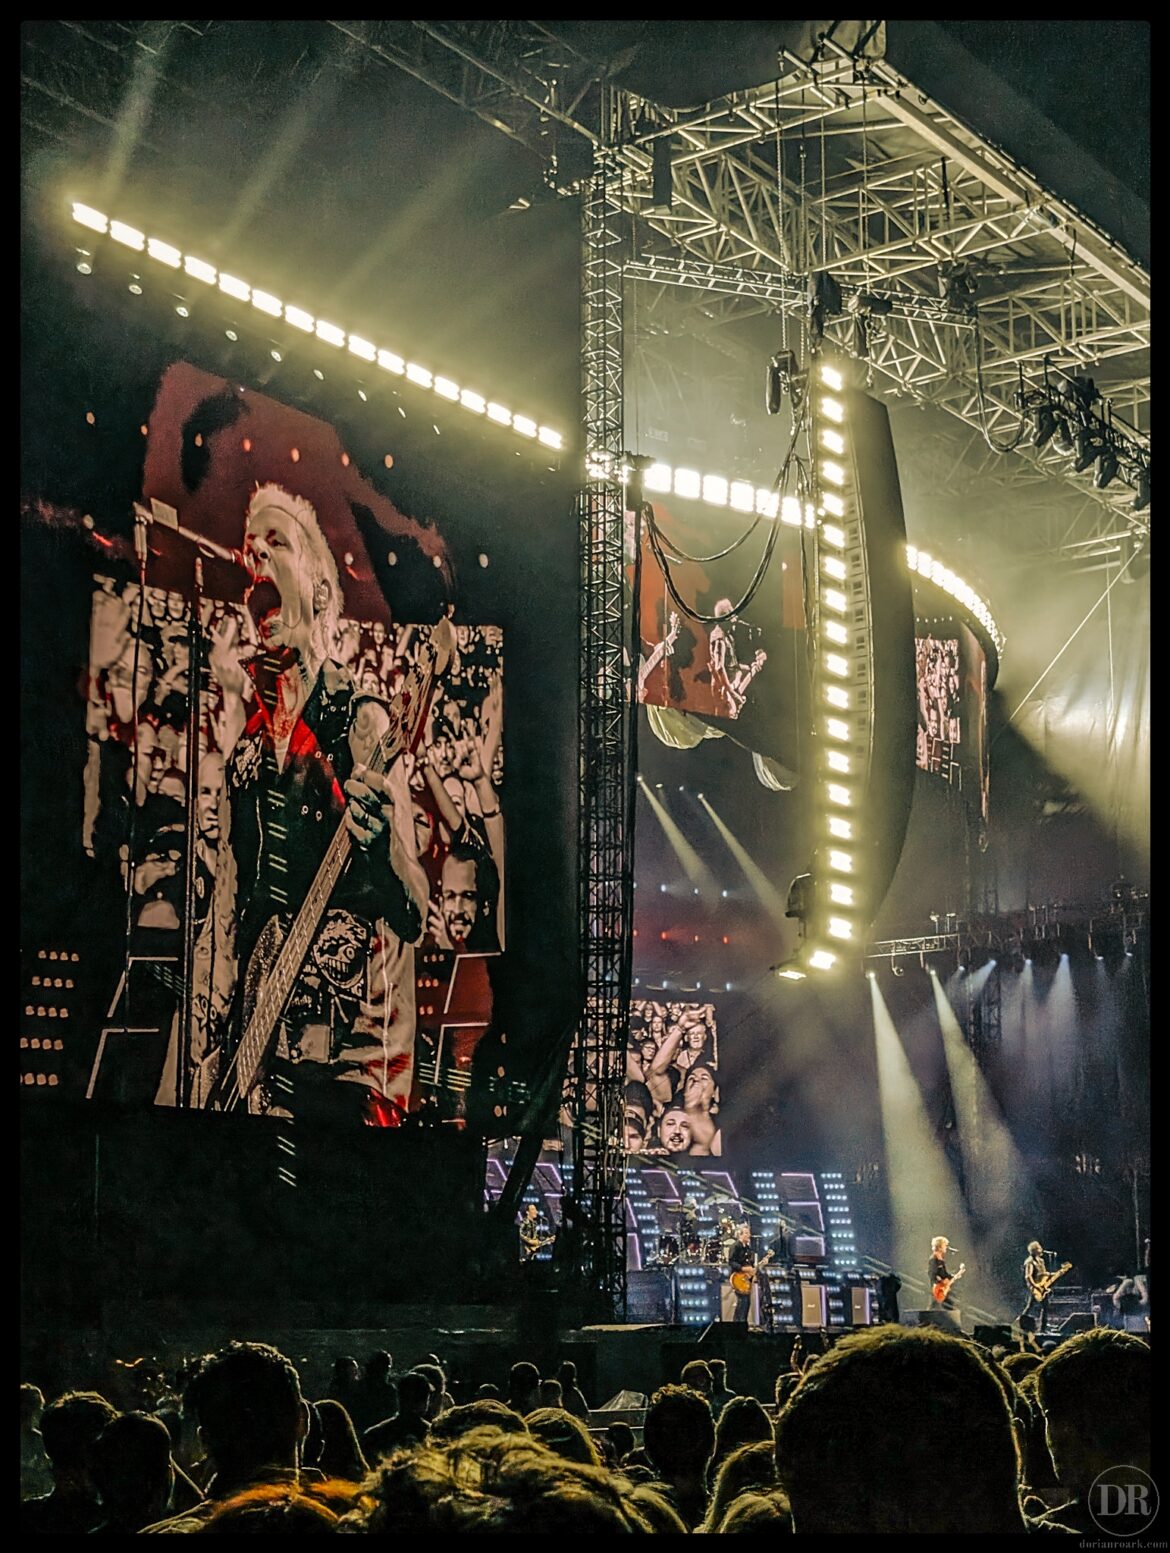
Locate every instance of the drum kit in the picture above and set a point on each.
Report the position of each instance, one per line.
(690, 1247)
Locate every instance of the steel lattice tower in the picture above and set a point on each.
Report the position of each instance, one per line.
(606, 725)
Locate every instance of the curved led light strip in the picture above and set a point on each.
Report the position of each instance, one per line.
(330, 334)
(742, 496)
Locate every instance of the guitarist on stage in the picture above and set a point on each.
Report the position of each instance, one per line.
(741, 1259)
(1034, 1316)
(532, 1233)
(302, 735)
(937, 1275)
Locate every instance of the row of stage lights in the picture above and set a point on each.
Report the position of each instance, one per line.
(1063, 415)
(658, 478)
(840, 689)
(330, 334)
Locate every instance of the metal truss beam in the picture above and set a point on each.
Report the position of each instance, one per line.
(851, 170)
(607, 721)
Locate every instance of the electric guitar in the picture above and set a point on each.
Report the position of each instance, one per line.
(531, 1246)
(1042, 1286)
(279, 955)
(943, 1287)
(743, 1278)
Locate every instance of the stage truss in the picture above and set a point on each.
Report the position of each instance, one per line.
(843, 168)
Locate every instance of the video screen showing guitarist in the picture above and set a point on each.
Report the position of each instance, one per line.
(318, 851)
(939, 1277)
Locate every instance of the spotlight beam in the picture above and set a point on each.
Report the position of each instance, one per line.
(765, 891)
(924, 1196)
(693, 865)
(997, 1176)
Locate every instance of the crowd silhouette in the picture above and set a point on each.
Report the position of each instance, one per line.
(887, 1430)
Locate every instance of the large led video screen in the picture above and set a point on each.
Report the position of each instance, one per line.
(672, 1095)
(951, 739)
(318, 841)
(701, 653)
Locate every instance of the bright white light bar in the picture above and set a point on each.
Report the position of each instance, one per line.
(742, 495)
(926, 566)
(715, 490)
(834, 505)
(834, 599)
(790, 512)
(833, 440)
(838, 762)
(832, 567)
(841, 862)
(330, 333)
(715, 486)
(832, 535)
(658, 477)
(841, 894)
(840, 795)
(832, 471)
(687, 482)
(130, 235)
(163, 252)
(836, 632)
(833, 408)
(837, 729)
(822, 960)
(831, 378)
(836, 664)
(199, 269)
(839, 927)
(840, 828)
(790, 973)
(90, 217)
(835, 695)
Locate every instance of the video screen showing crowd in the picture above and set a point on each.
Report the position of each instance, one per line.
(672, 1095)
(345, 778)
(951, 738)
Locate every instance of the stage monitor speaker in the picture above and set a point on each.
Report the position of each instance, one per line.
(1079, 1321)
(945, 1320)
(999, 1335)
(813, 1305)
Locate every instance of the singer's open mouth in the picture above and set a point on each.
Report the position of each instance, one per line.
(263, 599)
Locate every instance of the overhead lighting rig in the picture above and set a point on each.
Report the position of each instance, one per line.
(1065, 413)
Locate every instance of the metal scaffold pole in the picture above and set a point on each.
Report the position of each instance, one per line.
(606, 714)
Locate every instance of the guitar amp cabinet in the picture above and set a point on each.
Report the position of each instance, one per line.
(814, 1312)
